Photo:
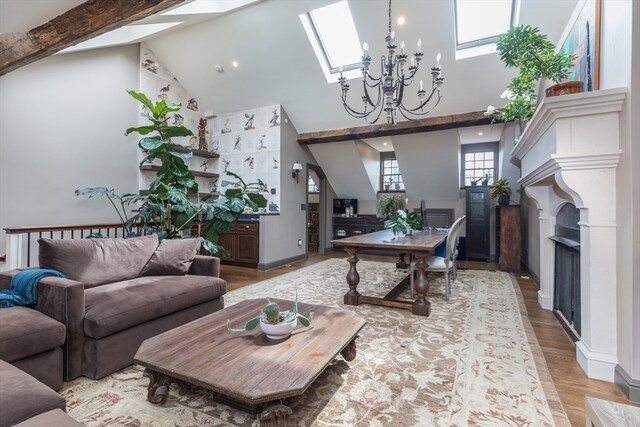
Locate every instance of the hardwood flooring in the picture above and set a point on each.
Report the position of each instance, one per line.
(559, 351)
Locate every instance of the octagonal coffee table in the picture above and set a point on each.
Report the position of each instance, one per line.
(248, 371)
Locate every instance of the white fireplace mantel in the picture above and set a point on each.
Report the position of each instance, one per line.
(569, 153)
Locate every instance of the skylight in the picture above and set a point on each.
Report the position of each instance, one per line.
(207, 6)
(334, 38)
(480, 22)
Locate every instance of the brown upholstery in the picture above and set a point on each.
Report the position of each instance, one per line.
(55, 418)
(110, 354)
(26, 332)
(23, 397)
(117, 306)
(97, 261)
(172, 257)
(45, 367)
(205, 266)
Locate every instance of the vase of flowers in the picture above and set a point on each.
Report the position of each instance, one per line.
(402, 223)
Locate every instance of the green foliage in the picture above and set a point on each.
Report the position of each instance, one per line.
(390, 204)
(271, 314)
(500, 187)
(531, 52)
(166, 208)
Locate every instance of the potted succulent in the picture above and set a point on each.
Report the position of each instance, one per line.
(274, 323)
(525, 48)
(502, 191)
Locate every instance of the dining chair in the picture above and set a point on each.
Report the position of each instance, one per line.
(446, 264)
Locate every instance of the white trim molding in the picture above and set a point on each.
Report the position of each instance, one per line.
(597, 365)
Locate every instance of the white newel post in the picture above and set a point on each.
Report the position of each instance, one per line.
(14, 251)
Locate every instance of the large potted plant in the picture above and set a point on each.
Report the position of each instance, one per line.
(531, 52)
(166, 208)
(501, 190)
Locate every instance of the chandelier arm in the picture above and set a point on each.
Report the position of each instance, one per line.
(355, 113)
(366, 118)
(400, 91)
(422, 113)
(367, 97)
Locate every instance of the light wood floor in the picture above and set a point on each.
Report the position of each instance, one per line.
(559, 351)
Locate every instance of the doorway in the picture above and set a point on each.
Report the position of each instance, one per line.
(316, 210)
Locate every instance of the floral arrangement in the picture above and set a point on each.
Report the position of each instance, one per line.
(401, 222)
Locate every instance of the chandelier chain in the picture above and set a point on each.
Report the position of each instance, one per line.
(389, 16)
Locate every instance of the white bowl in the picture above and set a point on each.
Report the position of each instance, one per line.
(280, 331)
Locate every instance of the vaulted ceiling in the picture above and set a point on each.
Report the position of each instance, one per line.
(278, 65)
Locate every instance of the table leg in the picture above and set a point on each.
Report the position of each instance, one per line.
(353, 278)
(401, 263)
(349, 352)
(276, 415)
(421, 307)
(158, 388)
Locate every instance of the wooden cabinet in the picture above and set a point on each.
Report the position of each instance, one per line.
(478, 216)
(243, 244)
(356, 225)
(508, 238)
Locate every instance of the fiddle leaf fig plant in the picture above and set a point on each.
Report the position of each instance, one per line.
(166, 208)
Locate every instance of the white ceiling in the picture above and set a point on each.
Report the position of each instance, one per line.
(278, 66)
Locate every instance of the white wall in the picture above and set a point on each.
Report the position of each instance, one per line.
(279, 234)
(62, 124)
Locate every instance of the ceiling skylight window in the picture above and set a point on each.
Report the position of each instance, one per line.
(480, 22)
(334, 38)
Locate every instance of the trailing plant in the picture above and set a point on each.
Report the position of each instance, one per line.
(500, 187)
(525, 48)
(272, 315)
(166, 208)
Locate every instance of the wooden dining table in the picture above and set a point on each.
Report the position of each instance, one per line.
(421, 244)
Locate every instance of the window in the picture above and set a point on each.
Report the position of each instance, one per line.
(479, 163)
(334, 39)
(480, 22)
(312, 187)
(390, 177)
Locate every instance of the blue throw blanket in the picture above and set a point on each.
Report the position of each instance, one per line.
(24, 287)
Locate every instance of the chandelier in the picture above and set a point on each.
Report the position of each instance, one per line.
(392, 83)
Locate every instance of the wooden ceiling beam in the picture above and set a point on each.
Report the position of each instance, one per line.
(85, 21)
(430, 124)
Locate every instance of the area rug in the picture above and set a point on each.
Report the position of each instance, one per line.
(474, 362)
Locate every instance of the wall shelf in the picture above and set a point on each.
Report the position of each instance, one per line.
(198, 153)
(156, 168)
(201, 195)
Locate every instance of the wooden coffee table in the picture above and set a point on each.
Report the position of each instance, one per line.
(247, 370)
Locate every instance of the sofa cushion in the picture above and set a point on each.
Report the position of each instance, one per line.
(97, 261)
(172, 257)
(23, 397)
(118, 306)
(26, 332)
(55, 418)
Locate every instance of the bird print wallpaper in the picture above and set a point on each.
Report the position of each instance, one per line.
(249, 144)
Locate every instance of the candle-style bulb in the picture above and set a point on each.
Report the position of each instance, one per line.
(413, 61)
(402, 46)
(421, 85)
(438, 57)
(393, 35)
(365, 48)
(419, 45)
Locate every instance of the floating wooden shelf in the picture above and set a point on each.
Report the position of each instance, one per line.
(156, 168)
(201, 195)
(198, 153)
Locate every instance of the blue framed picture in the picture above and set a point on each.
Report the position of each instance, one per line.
(582, 39)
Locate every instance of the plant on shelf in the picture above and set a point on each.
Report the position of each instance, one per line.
(393, 208)
(166, 208)
(525, 48)
(502, 191)
(274, 323)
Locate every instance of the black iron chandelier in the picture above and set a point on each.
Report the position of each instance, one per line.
(391, 84)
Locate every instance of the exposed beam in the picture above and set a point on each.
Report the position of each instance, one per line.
(85, 21)
(430, 124)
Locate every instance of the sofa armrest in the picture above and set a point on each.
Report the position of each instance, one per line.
(205, 266)
(6, 276)
(63, 300)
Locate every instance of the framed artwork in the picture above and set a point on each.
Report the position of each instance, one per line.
(581, 38)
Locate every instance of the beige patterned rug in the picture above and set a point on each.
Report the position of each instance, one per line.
(475, 361)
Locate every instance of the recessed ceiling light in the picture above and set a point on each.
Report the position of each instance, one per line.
(480, 133)
(401, 20)
(235, 64)
(384, 143)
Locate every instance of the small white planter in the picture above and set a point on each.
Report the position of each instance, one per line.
(280, 331)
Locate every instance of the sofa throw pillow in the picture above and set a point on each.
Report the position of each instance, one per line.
(97, 261)
(173, 257)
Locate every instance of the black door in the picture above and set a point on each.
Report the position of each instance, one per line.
(478, 199)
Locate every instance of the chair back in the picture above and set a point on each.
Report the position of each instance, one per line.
(453, 237)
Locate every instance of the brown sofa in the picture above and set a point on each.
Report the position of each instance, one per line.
(119, 292)
(26, 401)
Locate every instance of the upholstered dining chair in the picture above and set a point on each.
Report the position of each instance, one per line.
(446, 264)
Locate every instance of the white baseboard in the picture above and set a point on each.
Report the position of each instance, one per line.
(597, 365)
(545, 301)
